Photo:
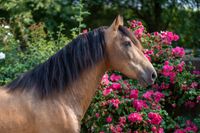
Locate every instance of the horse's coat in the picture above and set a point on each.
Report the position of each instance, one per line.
(53, 97)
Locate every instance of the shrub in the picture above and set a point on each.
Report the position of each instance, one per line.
(40, 47)
(121, 105)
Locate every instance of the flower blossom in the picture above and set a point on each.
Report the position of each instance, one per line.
(167, 37)
(139, 104)
(158, 96)
(134, 94)
(109, 119)
(168, 71)
(147, 95)
(164, 86)
(179, 131)
(135, 117)
(105, 80)
(116, 86)
(178, 51)
(2, 56)
(191, 127)
(190, 104)
(148, 57)
(138, 33)
(107, 91)
(114, 102)
(155, 118)
(115, 77)
(180, 66)
(122, 120)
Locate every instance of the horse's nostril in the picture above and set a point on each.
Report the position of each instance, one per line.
(154, 75)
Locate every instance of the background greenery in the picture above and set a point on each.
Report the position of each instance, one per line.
(180, 16)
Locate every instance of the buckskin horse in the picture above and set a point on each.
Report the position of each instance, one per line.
(54, 96)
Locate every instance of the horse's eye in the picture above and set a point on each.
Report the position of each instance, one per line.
(127, 44)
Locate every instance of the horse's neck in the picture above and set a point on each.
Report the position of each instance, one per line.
(80, 94)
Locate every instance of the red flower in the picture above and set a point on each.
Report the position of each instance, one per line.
(158, 96)
(107, 91)
(135, 117)
(155, 118)
(178, 52)
(116, 86)
(109, 119)
(97, 115)
(134, 94)
(105, 80)
(139, 104)
(115, 77)
(147, 95)
(114, 102)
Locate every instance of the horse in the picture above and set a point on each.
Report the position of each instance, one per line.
(54, 96)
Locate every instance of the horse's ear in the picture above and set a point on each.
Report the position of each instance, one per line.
(117, 22)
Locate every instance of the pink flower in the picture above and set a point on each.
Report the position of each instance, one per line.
(139, 23)
(154, 129)
(156, 33)
(167, 37)
(155, 118)
(116, 86)
(138, 33)
(196, 72)
(114, 102)
(176, 37)
(148, 52)
(135, 24)
(164, 86)
(101, 132)
(160, 130)
(166, 63)
(178, 52)
(134, 94)
(122, 120)
(190, 104)
(158, 96)
(135, 117)
(194, 84)
(107, 91)
(174, 105)
(148, 57)
(118, 129)
(172, 77)
(139, 104)
(190, 126)
(105, 80)
(115, 77)
(147, 95)
(180, 66)
(167, 69)
(109, 119)
(179, 131)
(155, 86)
(97, 115)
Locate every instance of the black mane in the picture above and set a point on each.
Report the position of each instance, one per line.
(65, 66)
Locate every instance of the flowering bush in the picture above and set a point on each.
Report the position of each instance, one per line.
(121, 105)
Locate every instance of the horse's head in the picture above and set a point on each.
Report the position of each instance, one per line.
(124, 53)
